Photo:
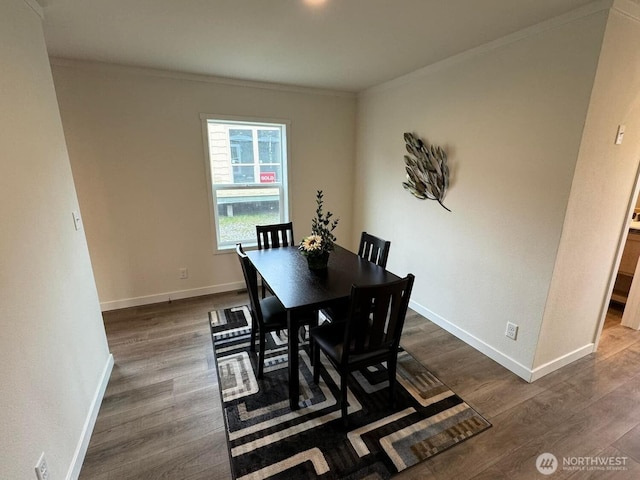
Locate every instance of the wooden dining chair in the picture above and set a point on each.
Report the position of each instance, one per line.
(267, 314)
(368, 337)
(274, 236)
(374, 249)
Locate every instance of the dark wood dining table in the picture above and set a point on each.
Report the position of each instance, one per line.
(288, 276)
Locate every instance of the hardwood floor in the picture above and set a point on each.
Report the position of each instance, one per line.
(161, 416)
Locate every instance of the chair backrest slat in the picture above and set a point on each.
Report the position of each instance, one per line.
(374, 249)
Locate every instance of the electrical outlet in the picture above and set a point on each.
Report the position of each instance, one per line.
(42, 470)
(184, 273)
(512, 331)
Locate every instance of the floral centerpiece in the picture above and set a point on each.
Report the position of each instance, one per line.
(317, 246)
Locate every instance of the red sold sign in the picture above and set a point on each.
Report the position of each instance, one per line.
(268, 177)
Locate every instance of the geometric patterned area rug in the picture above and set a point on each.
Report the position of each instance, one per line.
(267, 440)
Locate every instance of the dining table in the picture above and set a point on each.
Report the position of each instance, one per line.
(288, 276)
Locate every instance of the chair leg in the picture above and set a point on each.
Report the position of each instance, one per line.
(254, 327)
(313, 324)
(391, 366)
(261, 354)
(316, 364)
(343, 399)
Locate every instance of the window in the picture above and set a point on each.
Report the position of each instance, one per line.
(247, 166)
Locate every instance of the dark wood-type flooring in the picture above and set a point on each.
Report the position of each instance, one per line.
(161, 416)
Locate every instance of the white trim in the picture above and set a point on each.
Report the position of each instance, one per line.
(36, 7)
(467, 55)
(562, 361)
(507, 362)
(628, 8)
(90, 422)
(168, 296)
(213, 215)
(156, 72)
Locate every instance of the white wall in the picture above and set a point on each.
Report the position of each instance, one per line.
(600, 196)
(137, 154)
(510, 115)
(53, 349)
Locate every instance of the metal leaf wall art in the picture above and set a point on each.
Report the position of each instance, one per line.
(427, 170)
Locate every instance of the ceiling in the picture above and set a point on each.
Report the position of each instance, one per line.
(346, 45)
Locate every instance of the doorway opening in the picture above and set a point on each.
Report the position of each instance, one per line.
(622, 316)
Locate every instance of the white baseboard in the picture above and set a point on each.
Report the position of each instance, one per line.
(509, 363)
(165, 297)
(560, 362)
(87, 429)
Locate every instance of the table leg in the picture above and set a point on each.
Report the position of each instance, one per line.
(294, 382)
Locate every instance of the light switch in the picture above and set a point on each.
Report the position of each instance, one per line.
(620, 135)
(77, 222)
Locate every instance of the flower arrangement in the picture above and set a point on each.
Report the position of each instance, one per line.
(321, 241)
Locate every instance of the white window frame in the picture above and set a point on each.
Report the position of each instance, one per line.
(213, 189)
(256, 146)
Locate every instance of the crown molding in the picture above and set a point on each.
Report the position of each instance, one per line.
(628, 8)
(153, 72)
(585, 11)
(36, 7)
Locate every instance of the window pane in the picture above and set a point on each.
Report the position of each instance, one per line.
(239, 211)
(269, 147)
(241, 146)
(243, 174)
